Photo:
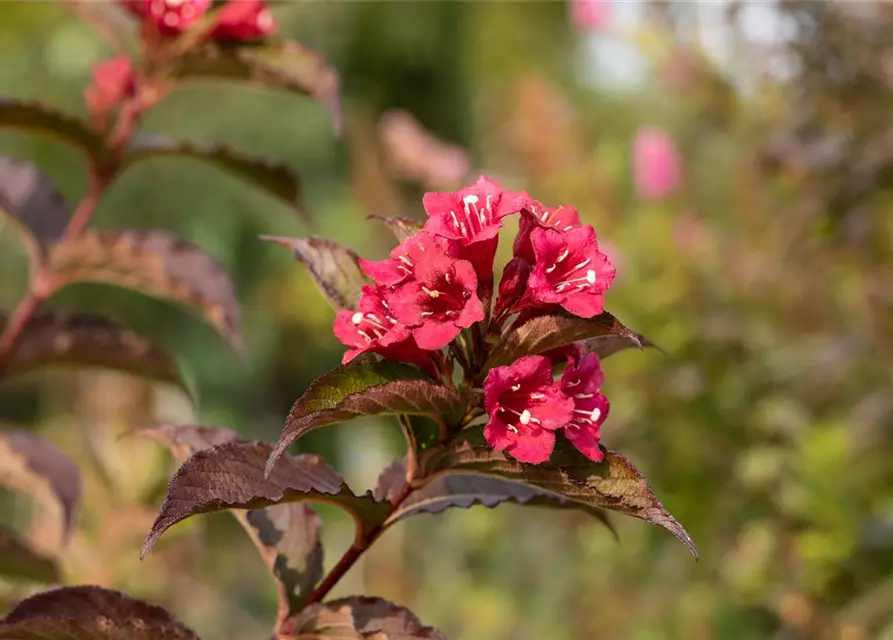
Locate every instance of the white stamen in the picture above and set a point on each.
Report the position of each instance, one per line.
(357, 318)
(552, 268)
(537, 396)
(512, 428)
(590, 276)
(433, 293)
(525, 417)
(584, 396)
(573, 383)
(516, 387)
(564, 254)
(596, 414)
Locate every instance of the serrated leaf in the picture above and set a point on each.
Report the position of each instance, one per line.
(274, 178)
(334, 268)
(551, 331)
(154, 263)
(614, 484)
(284, 65)
(402, 227)
(35, 468)
(359, 618)
(368, 388)
(55, 338)
(286, 535)
(18, 561)
(231, 476)
(33, 204)
(90, 613)
(464, 490)
(42, 119)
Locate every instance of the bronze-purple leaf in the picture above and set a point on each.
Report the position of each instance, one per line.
(155, 263)
(546, 332)
(57, 338)
(613, 484)
(185, 439)
(18, 561)
(359, 618)
(366, 388)
(42, 119)
(33, 204)
(274, 178)
(335, 269)
(231, 476)
(34, 467)
(90, 613)
(402, 227)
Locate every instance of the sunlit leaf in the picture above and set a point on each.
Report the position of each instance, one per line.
(368, 388)
(358, 618)
(614, 484)
(334, 268)
(276, 179)
(55, 338)
(286, 535)
(18, 561)
(403, 228)
(550, 331)
(42, 119)
(90, 613)
(34, 467)
(154, 263)
(231, 476)
(284, 65)
(31, 201)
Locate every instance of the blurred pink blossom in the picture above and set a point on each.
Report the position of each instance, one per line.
(416, 155)
(590, 15)
(657, 165)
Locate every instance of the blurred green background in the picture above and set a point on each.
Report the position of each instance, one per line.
(767, 278)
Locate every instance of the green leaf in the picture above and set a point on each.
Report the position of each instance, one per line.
(231, 476)
(359, 618)
(154, 263)
(56, 338)
(403, 228)
(19, 561)
(368, 388)
(284, 65)
(44, 120)
(34, 205)
(551, 331)
(276, 179)
(35, 468)
(286, 535)
(613, 484)
(334, 268)
(90, 613)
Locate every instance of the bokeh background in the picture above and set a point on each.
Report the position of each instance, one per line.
(736, 159)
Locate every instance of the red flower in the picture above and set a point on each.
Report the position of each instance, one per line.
(439, 301)
(113, 81)
(243, 20)
(561, 218)
(526, 407)
(170, 16)
(472, 216)
(370, 328)
(570, 271)
(401, 265)
(582, 380)
(512, 286)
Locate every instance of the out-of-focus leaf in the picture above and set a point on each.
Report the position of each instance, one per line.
(231, 476)
(276, 179)
(19, 561)
(39, 118)
(608, 345)
(550, 331)
(359, 618)
(90, 613)
(402, 227)
(368, 388)
(284, 65)
(154, 263)
(286, 535)
(391, 481)
(35, 206)
(37, 469)
(63, 338)
(613, 484)
(335, 269)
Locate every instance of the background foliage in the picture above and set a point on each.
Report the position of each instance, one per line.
(766, 428)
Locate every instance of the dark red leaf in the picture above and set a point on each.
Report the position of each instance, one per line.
(359, 618)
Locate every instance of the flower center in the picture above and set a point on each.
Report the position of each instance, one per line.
(568, 279)
(473, 218)
(370, 326)
(552, 217)
(444, 298)
(516, 405)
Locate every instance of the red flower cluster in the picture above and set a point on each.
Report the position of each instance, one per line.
(439, 283)
(237, 20)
